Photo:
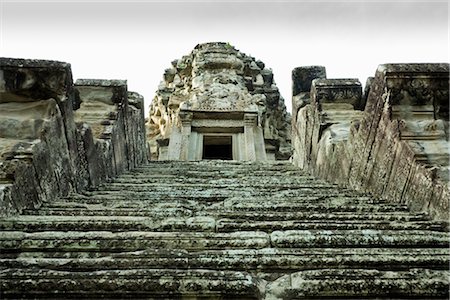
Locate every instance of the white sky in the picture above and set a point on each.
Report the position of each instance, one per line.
(137, 40)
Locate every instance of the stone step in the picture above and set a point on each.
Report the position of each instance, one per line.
(129, 240)
(269, 260)
(224, 172)
(131, 284)
(139, 240)
(218, 165)
(358, 238)
(360, 284)
(212, 187)
(197, 192)
(311, 207)
(214, 195)
(231, 225)
(164, 174)
(189, 209)
(197, 223)
(336, 205)
(207, 284)
(248, 214)
(142, 178)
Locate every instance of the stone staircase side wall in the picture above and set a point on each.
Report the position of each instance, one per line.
(396, 148)
(46, 151)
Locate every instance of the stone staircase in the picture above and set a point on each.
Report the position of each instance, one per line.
(222, 230)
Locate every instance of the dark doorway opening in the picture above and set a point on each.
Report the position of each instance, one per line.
(217, 147)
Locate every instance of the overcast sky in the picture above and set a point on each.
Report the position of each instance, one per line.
(137, 40)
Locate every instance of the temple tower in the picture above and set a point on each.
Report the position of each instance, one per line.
(218, 103)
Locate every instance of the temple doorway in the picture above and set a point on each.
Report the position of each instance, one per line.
(217, 147)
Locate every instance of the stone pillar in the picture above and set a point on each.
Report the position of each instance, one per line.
(260, 148)
(249, 122)
(302, 78)
(237, 149)
(186, 122)
(193, 146)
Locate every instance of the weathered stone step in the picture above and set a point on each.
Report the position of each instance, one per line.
(251, 260)
(256, 183)
(197, 223)
(225, 166)
(165, 174)
(192, 178)
(101, 210)
(310, 206)
(248, 214)
(168, 283)
(320, 199)
(213, 195)
(224, 172)
(210, 192)
(360, 284)
(312, 203)
(307, 201)
(231, 225)
(358, 238)
(220, 173)
(202, 187)
(129, 240)
(138, 240)
(131, 284)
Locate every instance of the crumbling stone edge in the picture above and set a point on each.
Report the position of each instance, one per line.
(57, 137)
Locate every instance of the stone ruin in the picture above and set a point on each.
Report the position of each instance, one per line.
(391, 140)
(57, 136)
(85, 214)
(218, 102)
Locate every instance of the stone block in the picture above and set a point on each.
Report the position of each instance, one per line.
(43, 155)
(37, 153)
(337, 91)
(302, 78)
(104, 107)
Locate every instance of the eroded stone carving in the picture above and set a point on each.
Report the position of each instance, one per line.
(47, 150)
(217, 82)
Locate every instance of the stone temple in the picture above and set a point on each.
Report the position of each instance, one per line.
(217, 102)
(220, 194)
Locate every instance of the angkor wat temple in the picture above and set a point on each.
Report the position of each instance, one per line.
(220, 193)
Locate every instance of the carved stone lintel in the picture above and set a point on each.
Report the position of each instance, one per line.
(337, 91)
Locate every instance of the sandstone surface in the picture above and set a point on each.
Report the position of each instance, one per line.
(392, 141)
(213, 89)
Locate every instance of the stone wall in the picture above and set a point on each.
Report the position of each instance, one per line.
(57, 137)
(396, 148)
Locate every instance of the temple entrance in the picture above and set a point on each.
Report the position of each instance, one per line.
(217, 147)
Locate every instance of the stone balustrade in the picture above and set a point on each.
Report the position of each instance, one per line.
(396, 148)
(57, 137)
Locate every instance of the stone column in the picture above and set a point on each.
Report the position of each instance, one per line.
(249, 122)
(186, 122)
